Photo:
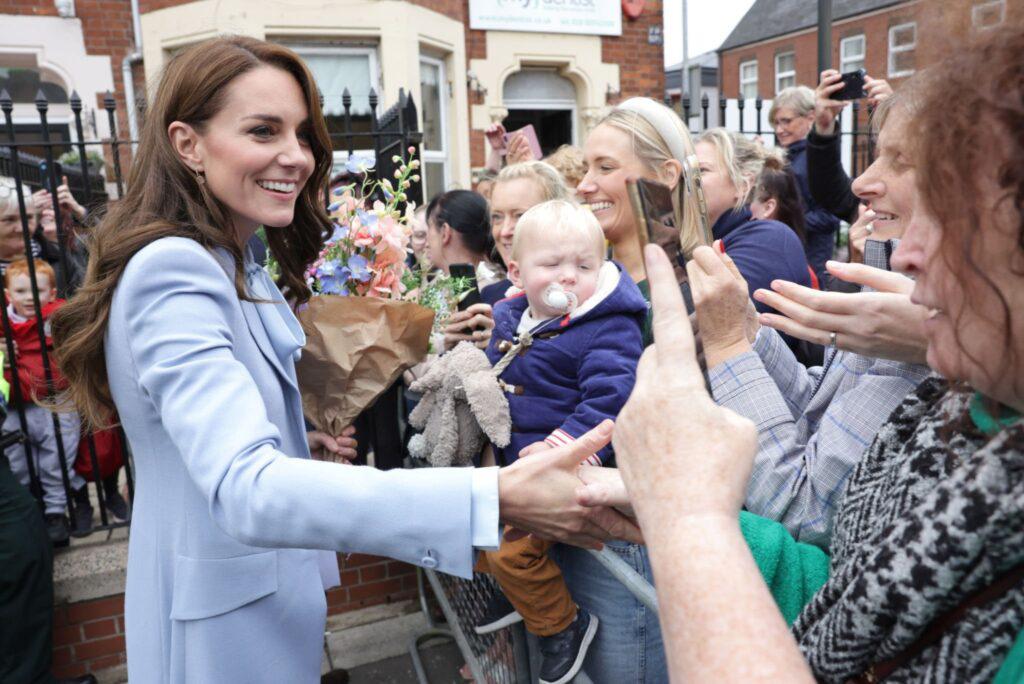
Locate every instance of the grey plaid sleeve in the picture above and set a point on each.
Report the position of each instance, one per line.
(795, 382)
(804, 460)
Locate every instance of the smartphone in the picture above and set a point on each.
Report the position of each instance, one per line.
(654, 208)
(471, 296)
(531, 139)
(853, 86)
(44, 177)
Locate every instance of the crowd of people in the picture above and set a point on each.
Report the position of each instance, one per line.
(820, 467)
(56, 271)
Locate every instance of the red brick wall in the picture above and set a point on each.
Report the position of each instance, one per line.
(641, 65)
(89, 636)
(107, 30)
(369, 581)
(805, 46)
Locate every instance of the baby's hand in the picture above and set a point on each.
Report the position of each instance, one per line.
(534, 448)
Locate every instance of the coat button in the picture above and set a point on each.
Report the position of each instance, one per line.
(504, 346)
(428, 562)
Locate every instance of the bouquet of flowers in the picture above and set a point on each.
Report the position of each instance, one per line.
(361, 328)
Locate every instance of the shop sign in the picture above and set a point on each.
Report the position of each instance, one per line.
(593, 17)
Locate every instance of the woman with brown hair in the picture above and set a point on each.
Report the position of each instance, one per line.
(925, 577)
(178, 330)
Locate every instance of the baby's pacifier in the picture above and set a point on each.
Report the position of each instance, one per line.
(560, 299)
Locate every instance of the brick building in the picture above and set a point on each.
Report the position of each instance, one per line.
(775, 44)
(462, 78)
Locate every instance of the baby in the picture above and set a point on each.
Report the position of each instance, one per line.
(575, 334)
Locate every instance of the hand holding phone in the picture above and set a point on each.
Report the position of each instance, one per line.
(529, 134)
(853, 86)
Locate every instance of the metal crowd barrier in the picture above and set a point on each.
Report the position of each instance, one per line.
(510, 655)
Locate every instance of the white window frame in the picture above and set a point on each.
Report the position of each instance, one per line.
(748, 81)
(340, 157)
(898, 49)
(846, 61)
(779, 75)
(1001, 4)
(435, 156)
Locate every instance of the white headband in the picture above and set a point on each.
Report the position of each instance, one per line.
(661, 118)
(664, 121)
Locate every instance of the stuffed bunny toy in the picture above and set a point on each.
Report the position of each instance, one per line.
(463, 407)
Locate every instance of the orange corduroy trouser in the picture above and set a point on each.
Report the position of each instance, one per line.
(532, 582)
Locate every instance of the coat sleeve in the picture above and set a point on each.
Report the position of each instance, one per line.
(826, 178)
(794, 572)
(607, 373)
(180, 320)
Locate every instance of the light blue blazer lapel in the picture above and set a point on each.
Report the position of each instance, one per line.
(273, 325)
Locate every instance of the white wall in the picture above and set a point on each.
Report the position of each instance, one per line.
(401, 31)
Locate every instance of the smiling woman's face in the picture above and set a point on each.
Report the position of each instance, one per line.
(888, 187)
(255, 152)
(510, 199)
(972, 299)
(610, 163)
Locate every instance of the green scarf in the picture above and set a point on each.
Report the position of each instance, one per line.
(987, 423)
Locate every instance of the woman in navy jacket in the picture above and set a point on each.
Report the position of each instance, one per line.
(763, 250)
(791, 115)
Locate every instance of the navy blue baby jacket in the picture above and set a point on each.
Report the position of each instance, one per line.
(576, 373)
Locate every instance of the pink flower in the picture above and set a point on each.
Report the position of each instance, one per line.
(386, 282)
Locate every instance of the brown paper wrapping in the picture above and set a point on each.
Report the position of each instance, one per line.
(356, 347)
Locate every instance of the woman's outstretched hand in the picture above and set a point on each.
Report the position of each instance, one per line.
(883, 324)
(538, 495)
(680, 454)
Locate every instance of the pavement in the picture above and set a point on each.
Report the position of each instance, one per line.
(373, 645)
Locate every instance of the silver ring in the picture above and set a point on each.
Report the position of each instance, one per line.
(869, 228)
(832, 339)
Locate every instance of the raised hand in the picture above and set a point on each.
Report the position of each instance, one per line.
(883, 324)
(680, 454)
(826, 110)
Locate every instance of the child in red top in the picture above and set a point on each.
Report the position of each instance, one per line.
(39, 425)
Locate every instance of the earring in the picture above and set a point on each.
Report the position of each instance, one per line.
(200, 178)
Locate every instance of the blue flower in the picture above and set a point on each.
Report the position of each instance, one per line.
(360, 268)
(340, 232)
(359, 164)
(366, 218)
(334, 284)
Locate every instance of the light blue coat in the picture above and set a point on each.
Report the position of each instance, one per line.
(224, 584)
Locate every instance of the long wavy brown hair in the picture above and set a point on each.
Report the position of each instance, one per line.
(164, 198)
(972, 138)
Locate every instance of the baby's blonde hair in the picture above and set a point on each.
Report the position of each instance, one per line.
(561, 218)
